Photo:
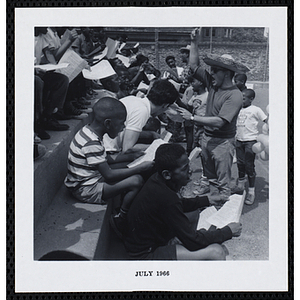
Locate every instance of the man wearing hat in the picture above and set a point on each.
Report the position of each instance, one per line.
(224, 102)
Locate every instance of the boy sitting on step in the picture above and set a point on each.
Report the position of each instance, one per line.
(90, 177)
(157, 215)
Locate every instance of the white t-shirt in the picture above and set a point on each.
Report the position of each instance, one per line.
(247, 121)
(138, 113)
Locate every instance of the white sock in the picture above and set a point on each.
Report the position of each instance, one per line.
(251, 190)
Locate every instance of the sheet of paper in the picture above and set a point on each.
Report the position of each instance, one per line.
(124, 59)
(51, 67)
(76, 64)
(230, 212)
(204, 215)
(100, 70)
(143, 85)
(149, 153)
(98, 53)
(112, 46)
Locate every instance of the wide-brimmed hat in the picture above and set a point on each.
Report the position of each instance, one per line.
(186, 48)
(225, 61)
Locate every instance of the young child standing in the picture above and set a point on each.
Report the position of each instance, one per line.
(90, 178)
(246, 136)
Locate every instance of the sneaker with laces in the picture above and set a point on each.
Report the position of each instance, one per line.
(74, 112)
(250, 199)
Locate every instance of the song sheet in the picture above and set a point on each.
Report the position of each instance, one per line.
(76, 64)
(230, 212)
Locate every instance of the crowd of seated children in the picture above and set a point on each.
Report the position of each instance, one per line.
(127, 112)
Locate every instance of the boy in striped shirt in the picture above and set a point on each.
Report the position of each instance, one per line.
(90, 178)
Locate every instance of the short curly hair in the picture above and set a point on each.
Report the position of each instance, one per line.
(162, 92)
(167, 156)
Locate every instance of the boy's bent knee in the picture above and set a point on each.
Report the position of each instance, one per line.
(217, 252)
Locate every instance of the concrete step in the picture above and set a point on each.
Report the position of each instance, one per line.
(51, 169)
(69, 225)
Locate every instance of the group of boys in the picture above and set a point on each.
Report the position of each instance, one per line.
(152, 213)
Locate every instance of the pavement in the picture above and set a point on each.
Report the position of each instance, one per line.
(69, 225)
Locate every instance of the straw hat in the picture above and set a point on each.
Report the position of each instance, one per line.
(225, 61)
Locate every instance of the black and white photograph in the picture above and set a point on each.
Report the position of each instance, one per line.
(153, 155)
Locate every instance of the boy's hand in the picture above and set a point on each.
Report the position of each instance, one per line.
(185, 113)
(73, 35)
(195, 34)
(236, 228)
(134, 153)
(216, 200)
(145, 166)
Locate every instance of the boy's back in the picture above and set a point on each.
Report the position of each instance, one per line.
(86, 151)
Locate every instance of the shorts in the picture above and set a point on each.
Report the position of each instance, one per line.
(89, 193)
(163, 253)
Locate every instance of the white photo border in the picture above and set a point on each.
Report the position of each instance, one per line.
(117, 276)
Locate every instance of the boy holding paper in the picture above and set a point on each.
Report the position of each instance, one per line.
(157, 215)
(90, 177)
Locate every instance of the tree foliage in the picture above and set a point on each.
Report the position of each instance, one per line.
(244, 35)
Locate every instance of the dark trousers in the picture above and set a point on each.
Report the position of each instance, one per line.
(55, 91)
(189, 134)
(245, 160)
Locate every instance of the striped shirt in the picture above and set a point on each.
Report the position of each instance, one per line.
(86, 152)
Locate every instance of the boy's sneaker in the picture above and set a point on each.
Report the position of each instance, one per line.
(83, 101)
(82, 107)
(250, 199)
(118, 224)
(74, 112)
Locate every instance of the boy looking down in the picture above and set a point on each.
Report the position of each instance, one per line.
(157, 215)
(90, 178)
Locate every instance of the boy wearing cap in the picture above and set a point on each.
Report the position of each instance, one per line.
(224, 102)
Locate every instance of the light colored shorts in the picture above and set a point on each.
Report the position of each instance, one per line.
(89, 193)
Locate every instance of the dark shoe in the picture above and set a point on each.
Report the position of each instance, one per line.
(83, 101)
(74, 112)
(52, 124)
(118, 224)
(60, 115)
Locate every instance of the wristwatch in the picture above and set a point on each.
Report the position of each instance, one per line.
(192, 118)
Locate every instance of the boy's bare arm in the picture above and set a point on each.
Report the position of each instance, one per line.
(128, 156)
(129, 139)
(113, 175)
(194, 55)
(63, 48)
